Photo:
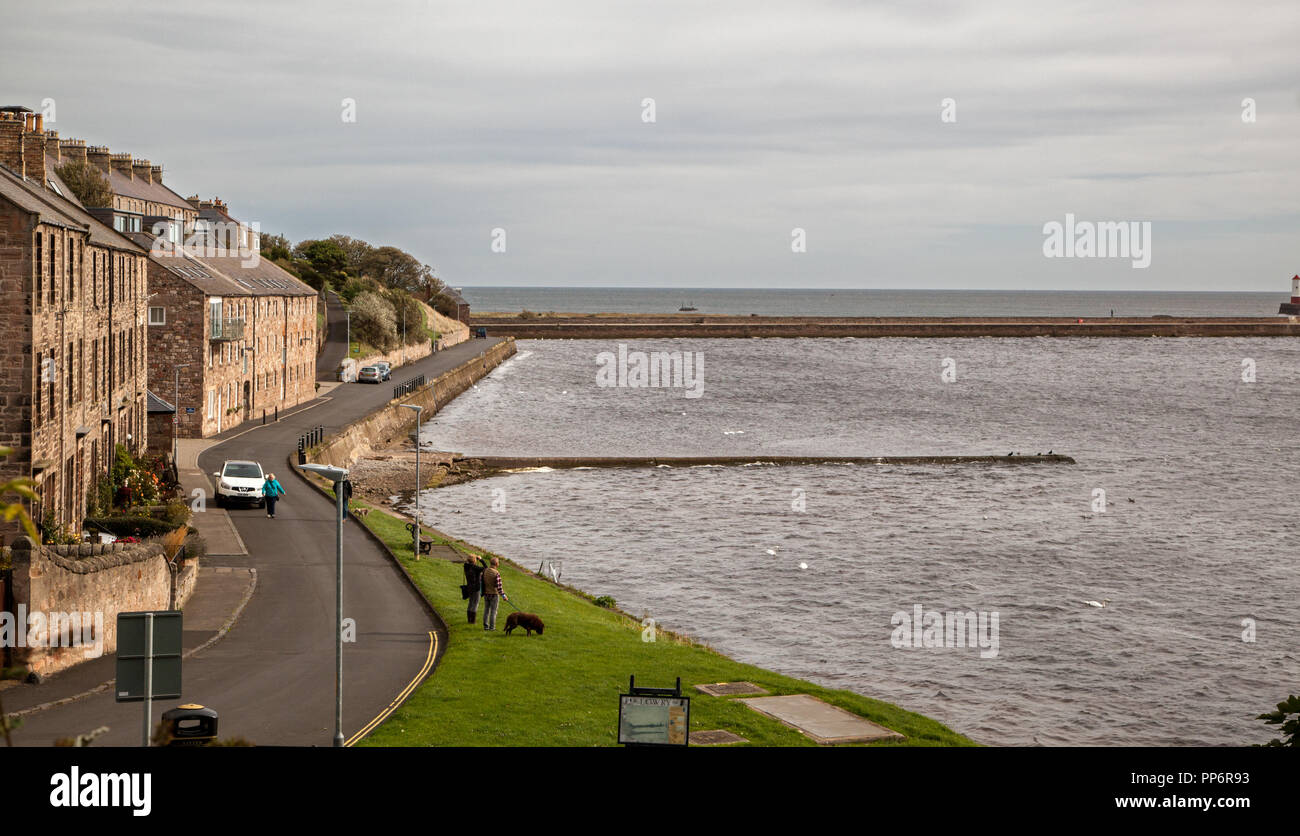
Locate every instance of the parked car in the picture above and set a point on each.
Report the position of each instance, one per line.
(240, 481)
(385, 370)
(369, 374)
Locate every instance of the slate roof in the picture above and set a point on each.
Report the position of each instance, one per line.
(54, 208)
(225, 275)
(157, 404)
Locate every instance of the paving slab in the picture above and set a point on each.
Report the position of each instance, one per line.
(731, 689)
(825, 723)
(716, 737)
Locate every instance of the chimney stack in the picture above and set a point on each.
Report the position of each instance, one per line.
(121, 163)
(71, 150)
(12, 121)
(34, 149)
(156, 173)
(98, 157)
(143, 170)
(52, 147)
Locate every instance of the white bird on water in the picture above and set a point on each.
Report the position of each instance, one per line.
(771, 551)
(1098, 604)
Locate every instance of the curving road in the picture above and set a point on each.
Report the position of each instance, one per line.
(272, 677)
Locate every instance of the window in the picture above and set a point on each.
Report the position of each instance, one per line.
(157, 316)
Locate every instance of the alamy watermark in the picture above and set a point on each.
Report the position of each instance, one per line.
(1104, 239)
(933, 629)
(651, 370)
(53, 629)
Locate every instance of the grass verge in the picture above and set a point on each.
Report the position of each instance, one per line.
(561, 688)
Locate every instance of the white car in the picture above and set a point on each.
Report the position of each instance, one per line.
(240, 481)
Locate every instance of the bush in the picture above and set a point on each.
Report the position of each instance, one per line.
(373, 321)
(130, 525)
(606, 601)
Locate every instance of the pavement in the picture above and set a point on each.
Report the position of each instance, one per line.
(271, 677)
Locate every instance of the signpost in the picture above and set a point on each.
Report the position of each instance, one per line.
(654, 716)
(148, 659)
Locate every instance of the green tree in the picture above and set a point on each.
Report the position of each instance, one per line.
(399, 269)
(276, 247)
(356, 251)
(325, 257)
(87, 182)
(1288, 717)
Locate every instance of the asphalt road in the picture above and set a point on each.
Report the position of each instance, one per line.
(336, 341)
(272, 677)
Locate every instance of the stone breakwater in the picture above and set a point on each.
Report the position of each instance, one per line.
(648, 326)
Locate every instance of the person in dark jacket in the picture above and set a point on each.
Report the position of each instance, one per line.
(493, 592)
(474, 566)
(271, 491)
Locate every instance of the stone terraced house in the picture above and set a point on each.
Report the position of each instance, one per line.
(73, 328)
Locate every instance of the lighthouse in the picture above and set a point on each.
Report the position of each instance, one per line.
(1293, 307)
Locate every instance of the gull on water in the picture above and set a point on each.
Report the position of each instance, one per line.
(1098, 604)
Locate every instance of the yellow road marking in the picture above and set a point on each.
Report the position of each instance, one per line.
(392, 706)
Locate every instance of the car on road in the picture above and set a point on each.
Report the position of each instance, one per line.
(369, 374)
(385, 370)
(240, 481)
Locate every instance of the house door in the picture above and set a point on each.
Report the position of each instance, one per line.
(248, 400)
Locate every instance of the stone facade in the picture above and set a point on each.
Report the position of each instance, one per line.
(73, 325)
(240, 348)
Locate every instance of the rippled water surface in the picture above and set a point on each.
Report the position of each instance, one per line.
(1199, 469)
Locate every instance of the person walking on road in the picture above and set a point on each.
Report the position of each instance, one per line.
(475, 565)
(493, 592)
(271, 491)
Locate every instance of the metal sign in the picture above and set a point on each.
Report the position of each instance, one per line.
(189, 410)
(654, 716)
(132, 649)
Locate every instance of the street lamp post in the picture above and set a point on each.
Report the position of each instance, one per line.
(336, 475)
(176, 416)
(415, 544)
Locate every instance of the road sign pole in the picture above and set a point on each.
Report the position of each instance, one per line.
(148, 678)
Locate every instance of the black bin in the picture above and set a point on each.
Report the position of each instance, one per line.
(190, 725)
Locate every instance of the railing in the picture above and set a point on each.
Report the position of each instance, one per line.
(227, 329)
(408, 387)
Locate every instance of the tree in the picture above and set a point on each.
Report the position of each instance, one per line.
(374, 320)
(399, 269)
(87, 182)
(356, 251)
(416, 332)
(1290, 707)
(325, 257)
(276, 247)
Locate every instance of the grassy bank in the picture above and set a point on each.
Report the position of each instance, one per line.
(561, 688)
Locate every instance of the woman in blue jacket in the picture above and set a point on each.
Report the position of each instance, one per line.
(271, 490)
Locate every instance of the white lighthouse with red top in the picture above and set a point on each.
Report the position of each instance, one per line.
(1293, 307)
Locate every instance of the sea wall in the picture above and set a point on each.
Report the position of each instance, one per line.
(627, 326)
(392, 420)
(101, 580)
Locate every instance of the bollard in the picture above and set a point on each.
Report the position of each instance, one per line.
(263, 417)
(277, 414)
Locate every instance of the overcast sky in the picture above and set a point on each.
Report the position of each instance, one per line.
(769, 116)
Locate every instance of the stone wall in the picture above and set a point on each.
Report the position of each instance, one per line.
(381, 427)
(98, 579)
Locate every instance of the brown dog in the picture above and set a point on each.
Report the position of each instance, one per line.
(526, 620)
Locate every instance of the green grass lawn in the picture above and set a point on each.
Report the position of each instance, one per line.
(561, 688)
